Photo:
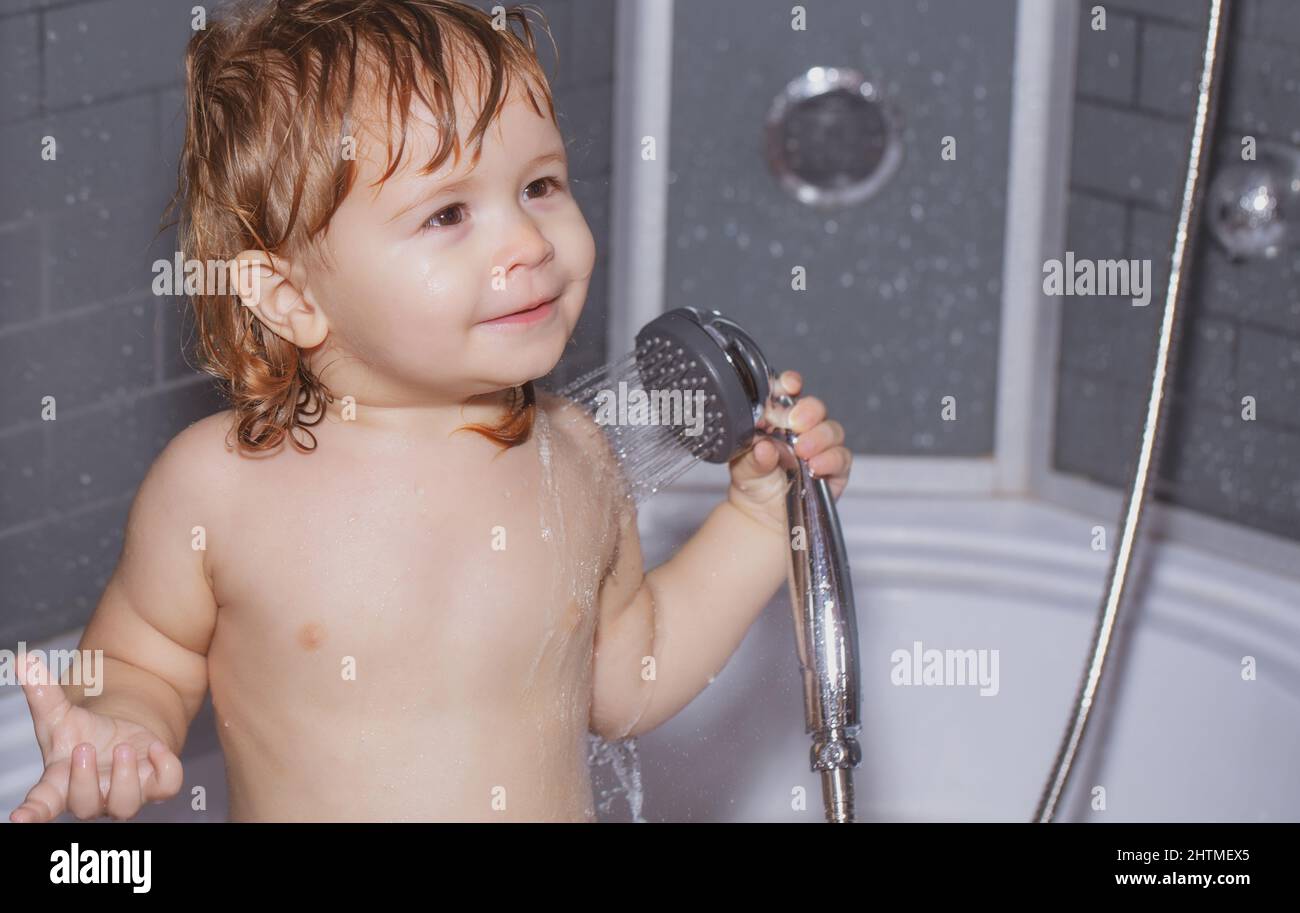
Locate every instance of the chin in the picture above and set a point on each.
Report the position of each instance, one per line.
(532, 366)
(538, 359)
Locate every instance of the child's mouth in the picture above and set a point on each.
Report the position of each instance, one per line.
(530, 316)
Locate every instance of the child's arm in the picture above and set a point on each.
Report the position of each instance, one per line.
(157, 612)
(662, 637)
(153, 623)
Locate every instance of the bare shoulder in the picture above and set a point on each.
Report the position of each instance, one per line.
(578, 426)
(204, 450)
(598, 469)
(197, 469)
(624, 565)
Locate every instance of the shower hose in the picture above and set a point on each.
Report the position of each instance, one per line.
(1207, 101)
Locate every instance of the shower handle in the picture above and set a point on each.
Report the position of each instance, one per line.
(825, 626)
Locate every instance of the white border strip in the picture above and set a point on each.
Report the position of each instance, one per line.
(639, 189)
(1037, 195)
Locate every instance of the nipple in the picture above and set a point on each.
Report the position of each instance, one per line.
(311, 636)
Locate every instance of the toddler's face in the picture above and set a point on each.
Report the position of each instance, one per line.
(418, 271)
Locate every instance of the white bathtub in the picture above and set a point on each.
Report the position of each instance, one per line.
(1188, 740)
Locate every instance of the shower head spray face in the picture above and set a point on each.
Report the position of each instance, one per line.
(706, 356)
(695, 388)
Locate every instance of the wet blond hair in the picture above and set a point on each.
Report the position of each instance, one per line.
(270, 94)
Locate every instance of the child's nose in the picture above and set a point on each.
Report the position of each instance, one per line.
(526, 246)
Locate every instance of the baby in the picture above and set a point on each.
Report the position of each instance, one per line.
(411, 581)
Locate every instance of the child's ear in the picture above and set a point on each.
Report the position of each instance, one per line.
(263, 284)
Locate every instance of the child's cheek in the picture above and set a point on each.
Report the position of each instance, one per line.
(585, 249)
(579, 258)
(412, 316)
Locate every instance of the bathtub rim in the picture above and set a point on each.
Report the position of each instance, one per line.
(947, 543)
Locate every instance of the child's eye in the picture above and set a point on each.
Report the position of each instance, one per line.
(434, 220)
(554, 183)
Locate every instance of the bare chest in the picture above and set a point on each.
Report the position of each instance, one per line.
(481, 578)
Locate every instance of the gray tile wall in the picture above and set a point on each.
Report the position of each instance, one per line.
(904, 290)
(78, 236)
(1241, 335)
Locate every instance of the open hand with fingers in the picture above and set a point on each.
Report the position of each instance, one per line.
(94, 764)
